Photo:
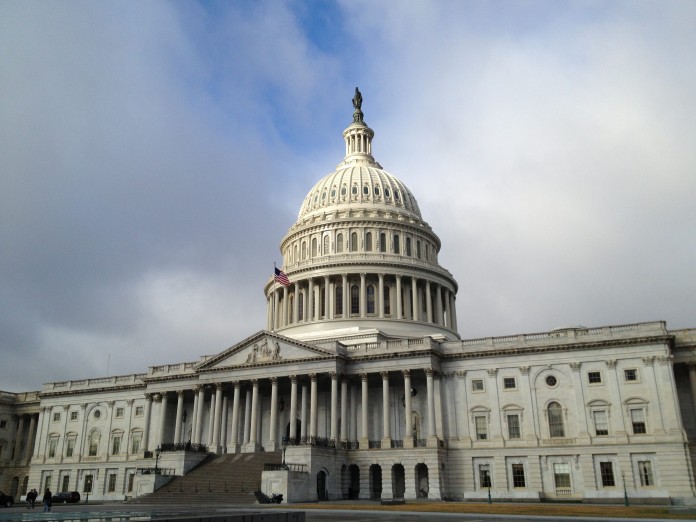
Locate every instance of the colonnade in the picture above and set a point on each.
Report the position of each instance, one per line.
(242, 432)
(26, 430)
(350, 296)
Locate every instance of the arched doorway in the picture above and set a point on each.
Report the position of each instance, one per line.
(14, 486)
(422, 484)
(354, 488)
(322, 493)
(25, 485)
(375, 482)
(398, 481)
(296, 440)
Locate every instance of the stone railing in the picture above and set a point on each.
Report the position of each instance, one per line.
(183, 446)
(119, 380)
(296, 468)
(169, 369)
(388, 345)
(567, 335)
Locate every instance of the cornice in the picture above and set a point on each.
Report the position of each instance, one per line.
(89, 391)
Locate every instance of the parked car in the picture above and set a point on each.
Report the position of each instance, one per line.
(6, 500)
(66, 497)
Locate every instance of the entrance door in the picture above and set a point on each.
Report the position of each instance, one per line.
(398, 481)
(321, 486)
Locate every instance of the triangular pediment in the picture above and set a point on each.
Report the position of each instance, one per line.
(264, 348)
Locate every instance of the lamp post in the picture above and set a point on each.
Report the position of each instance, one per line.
(284, 444)
(157, 456)
(623, 479)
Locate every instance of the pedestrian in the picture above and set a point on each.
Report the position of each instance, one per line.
(31, 498)
(47, 500)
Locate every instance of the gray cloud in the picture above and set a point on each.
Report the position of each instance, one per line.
(153, 155)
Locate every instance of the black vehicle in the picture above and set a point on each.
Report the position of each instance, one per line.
(66, 497)
(6, 500)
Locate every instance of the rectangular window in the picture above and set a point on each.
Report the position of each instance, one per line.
(561, 474)
(631, 375)
(509, 383)
(119, 413)
(73, 415)
(485, 475)
(477, 385)
(56, 417)
(138, 411)
(88, 484)
(70, 449)
(645, 472)
(638, 421)
(600, 422)
(518, 476)
(3, 424)
(52, 444)
(594, 377)
(112, 482)
(66, 483)
(606, 470)
(116, 445)
(135, 443)
(131, 478)
(481, 428)
(513, 421)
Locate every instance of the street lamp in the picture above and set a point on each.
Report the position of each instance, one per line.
(284, 444)
(623, 479)
(157, 456)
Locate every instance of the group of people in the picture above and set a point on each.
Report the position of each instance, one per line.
(47, 499)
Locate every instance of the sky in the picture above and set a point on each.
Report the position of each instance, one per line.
(154, 154)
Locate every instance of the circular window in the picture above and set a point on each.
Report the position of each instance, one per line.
(551, 380)
(97, 414)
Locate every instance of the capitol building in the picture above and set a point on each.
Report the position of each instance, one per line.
(360, 387)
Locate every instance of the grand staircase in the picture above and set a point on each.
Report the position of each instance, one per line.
(229, 478)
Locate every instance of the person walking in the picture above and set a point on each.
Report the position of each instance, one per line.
(47, 500)
(31, 498)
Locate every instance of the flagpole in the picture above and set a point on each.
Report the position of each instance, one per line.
(273, 300)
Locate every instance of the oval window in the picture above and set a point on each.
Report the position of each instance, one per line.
(97, 414)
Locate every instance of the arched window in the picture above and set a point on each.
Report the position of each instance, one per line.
(418, 250)
(325, 250)
(304, 250)
(339, 300)
(397, 248)
(383, 242)
(555, 414)
(408, 246)
(295, 258)
(314, 247)
(387, 306)
(339, 243)
(300, 307)
(354, 242)
(291, 308)
(427, 252)
(370, 299)
(93, 443)
(354, 299)
(368, 242)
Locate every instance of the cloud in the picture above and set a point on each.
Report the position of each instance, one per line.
(153, 155)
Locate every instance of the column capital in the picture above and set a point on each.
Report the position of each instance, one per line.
(148, 397)
(398, 277)
(333, 375)
(254, 382)
(663, 360)
(110, 403)
(157, 397)
(274, 380)
(575, 366)
(406, 373)
(492, 372)
(461, 374)
(218, 386)
(385, 375)
(650, 361)
(611, 363)
(66, 407)
(293, 378)
(429, 372)
(313, 377)
(130, 402)
(179, 393)
(363, 377)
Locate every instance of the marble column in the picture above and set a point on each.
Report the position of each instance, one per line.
(432, 439)
(18, 439)
(28, 451)
(223, 426)
(414, 299)
(292, 432)
(199, 419)
(252, 447)
(296, 303)
(386, 427)
(146, 428)
(273, 428)
(234, 443)
(692, 383)
(284, 322)
(363, 295)
(162, 419)
(211, 420)
(428, 303)
(327, 298)
(303, 411)
(247, 416)
(380, 293)
(399, 307)
(408, 408)
(364, 435)
(310, 302)
(344, 409)
(438, 304)
(179, 416)
(313, 405)
(194, 415)
(334, 406)
(218, 417)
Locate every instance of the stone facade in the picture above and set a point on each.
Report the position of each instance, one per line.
(362, 376)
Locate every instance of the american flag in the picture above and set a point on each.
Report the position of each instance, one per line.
(281, 277)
